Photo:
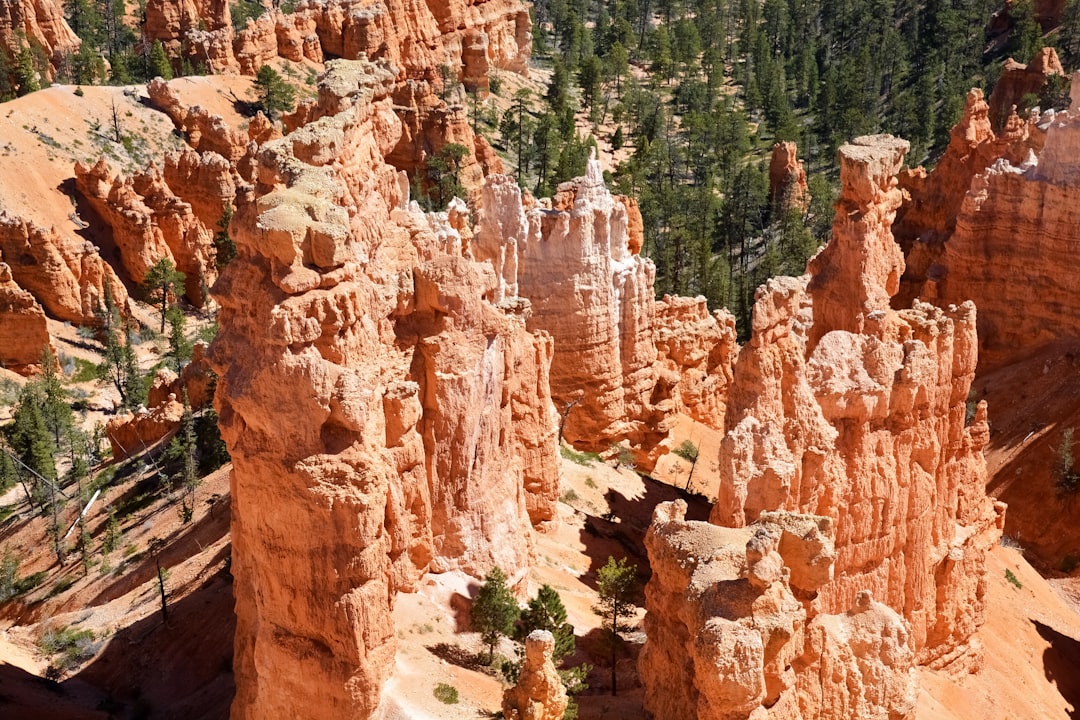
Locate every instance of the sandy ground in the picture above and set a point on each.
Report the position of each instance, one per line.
(1032, 647)
(46, 132)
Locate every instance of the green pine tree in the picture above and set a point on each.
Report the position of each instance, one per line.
(494, 611)
(163, 279)
(617, 589)
(272, 94)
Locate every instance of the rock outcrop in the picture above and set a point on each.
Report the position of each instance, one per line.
(65, 274)
(134, 433)
(845, 408)
(1015, 234)
(1017, 80)
(149, 224)
(787, 178)
(729, 638)
(848, 411)
(927, 218)
(539, 693)
(23, 332)
(427, 49)
(415, 39)
(420, 433)
(206, 132)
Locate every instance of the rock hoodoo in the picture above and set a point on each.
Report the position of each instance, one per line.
(623, 363)
(787, 178)
(539, 693)
(845, 409)
(420, 432)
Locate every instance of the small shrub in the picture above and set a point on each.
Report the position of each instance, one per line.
(85, 371)
(585, 459)
(1066, 479)
(30, 582)
(73, 646)
(624, 457)
(590, 483)
(569, 496)
(1012, 578)
(687, 451)
(446, 694)
(62, 585)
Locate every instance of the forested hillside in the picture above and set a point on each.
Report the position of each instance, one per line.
(696, 93)
(690, 95)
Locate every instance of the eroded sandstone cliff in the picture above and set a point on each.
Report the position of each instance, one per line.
(416, 433)
(624, 364)
(37, 24)
(845, 409)
(1023, 209)
(23, 333)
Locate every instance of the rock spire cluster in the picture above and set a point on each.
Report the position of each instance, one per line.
(847, 432)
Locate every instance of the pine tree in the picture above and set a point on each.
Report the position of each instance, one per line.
(273, 94)
(442, 171)
(224, 247)
(179, 345)
(617, 589)
(494, 611)
(26, 75)
(55, 409)
(121, 368)
(158, 62)
(165, 279)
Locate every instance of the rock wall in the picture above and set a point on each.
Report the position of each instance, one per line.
(1014, 240)
(65, 274)
(420, 433)
(846, 408)
(23, 333)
